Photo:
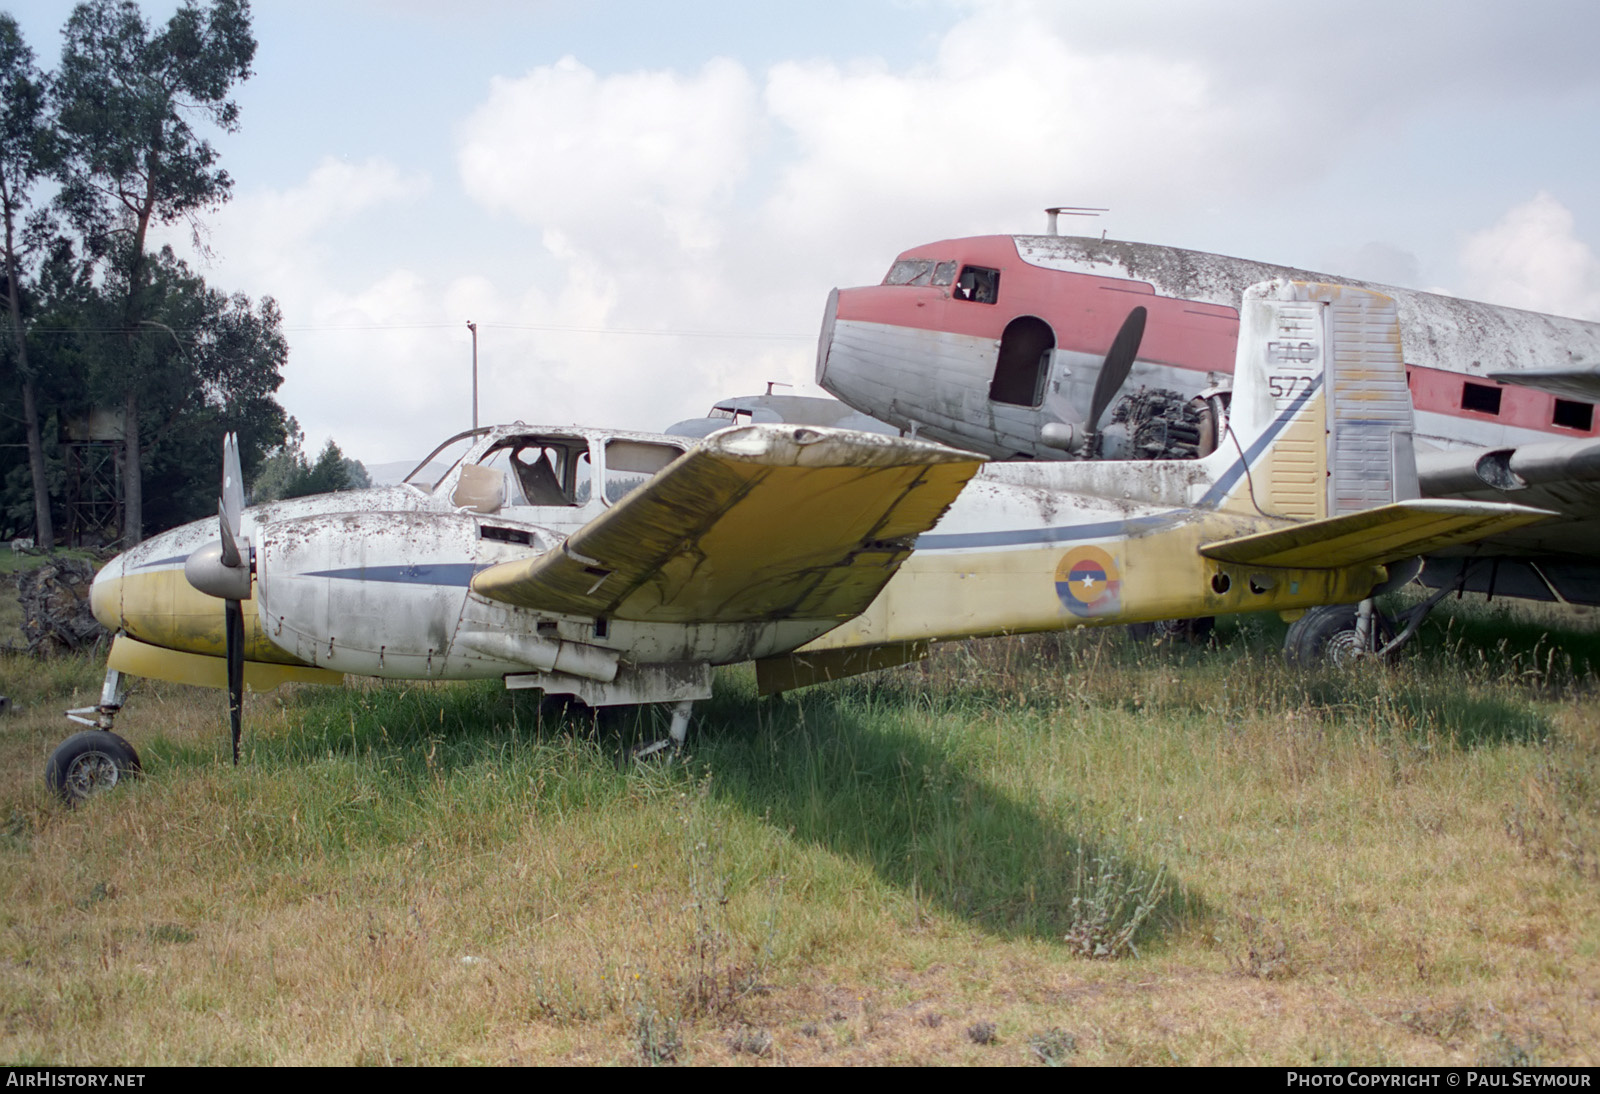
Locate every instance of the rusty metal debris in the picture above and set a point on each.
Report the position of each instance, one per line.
(55, 607)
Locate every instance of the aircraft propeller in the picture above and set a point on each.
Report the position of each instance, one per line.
(1114, 370)
(1118, 363)
(223, 568)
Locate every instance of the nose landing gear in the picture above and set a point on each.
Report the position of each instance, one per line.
(95, 760)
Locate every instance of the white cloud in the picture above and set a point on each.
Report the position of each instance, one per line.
(1533, 259)
(726, 198)
(620, 159)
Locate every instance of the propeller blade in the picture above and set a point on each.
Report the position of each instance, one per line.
(230, 546)
(232, 485)
(1118, 363)
(235, 650)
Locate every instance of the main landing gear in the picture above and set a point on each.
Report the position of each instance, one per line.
(1342, 634)
(677, 732)
(95, 760)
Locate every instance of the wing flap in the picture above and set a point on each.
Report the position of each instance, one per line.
(757, 523)
(1374, 536)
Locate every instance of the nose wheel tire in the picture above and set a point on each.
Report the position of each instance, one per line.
(90, 763)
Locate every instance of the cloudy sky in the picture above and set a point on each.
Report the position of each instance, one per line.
(643, 205)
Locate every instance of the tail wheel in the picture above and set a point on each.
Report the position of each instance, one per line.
(1328, 635)
(90, 763)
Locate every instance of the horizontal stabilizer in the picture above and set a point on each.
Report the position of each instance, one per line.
(1374, 536)
(757, 523)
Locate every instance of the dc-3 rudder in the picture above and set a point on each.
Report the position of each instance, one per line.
(622, 567)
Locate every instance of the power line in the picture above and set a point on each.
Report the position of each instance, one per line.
(548, 327)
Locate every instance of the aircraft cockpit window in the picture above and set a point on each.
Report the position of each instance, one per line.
(910, 271)
(944, 273)
(542, 470)
(979, 284)
(440, 462)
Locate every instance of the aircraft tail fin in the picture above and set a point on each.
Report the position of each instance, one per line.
(1321, 417)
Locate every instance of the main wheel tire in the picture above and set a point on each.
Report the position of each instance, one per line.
(90, 763)
(1193, 632)
(1327, 635)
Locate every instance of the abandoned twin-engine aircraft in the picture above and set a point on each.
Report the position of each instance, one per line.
(620, 567)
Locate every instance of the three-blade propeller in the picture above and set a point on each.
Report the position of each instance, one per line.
(223, 568)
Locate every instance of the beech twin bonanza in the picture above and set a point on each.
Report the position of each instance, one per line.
(621, 568)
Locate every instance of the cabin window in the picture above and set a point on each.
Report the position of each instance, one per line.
(1480, 397)
(1023, 365)
(630, 464)
(979, 284)
(1573, 415)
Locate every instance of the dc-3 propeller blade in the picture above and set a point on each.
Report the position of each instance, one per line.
(223, 568)
(1118, 363)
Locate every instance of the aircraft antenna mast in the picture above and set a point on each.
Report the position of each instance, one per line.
(1071, 211)
(473, 327)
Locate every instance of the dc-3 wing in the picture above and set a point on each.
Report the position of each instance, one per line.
(1385, 534)
(757, 523)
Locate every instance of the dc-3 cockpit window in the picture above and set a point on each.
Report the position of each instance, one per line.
(920, 271)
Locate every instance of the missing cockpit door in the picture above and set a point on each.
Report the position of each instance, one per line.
(1023, 363)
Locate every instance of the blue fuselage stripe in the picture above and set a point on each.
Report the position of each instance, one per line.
(453, 574)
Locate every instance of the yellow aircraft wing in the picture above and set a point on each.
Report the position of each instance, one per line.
(1375, 536)
(757, 523)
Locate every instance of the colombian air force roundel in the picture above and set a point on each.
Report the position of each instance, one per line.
(1088, 583)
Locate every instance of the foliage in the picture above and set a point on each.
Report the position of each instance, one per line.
(100, 321)
(286, 473)
(125, 101)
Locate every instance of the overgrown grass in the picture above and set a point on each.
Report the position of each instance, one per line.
(1095, 851)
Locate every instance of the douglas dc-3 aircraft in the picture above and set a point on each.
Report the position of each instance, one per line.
(1017, 347)
(620, 567)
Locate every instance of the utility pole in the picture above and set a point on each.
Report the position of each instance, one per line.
(473, 327)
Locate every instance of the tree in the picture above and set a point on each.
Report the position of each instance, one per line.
(206, 364)
(287, 474)
(124, 100)
(23, 158)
